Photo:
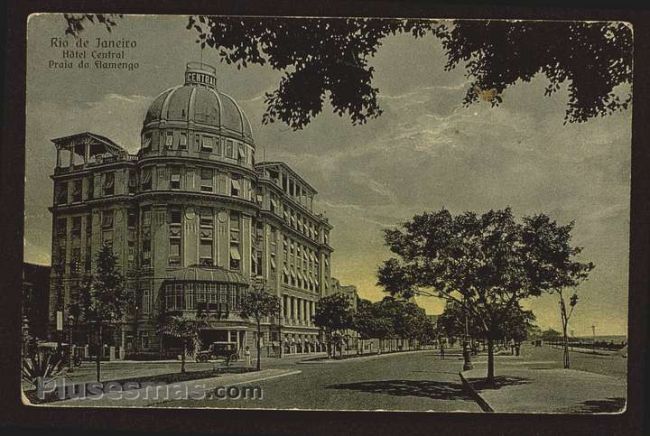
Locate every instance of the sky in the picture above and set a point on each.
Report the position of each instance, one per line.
(425, 152)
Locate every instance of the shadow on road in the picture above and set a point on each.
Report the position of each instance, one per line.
(480, 384)
(609, 405)
(419, 388)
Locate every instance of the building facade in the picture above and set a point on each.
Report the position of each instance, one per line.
(194, 221)
(36, 280)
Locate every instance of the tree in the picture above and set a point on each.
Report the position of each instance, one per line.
(258, 303)
(551, 244)
(333, 315)
(184, 328)
(363, 322)
(105, 300)
(454, 318)
(550, 335)
(330, 58)
(488, 263)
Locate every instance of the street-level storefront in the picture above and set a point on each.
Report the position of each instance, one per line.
(211, 296)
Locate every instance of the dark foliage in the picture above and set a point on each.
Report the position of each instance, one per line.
(328, 59)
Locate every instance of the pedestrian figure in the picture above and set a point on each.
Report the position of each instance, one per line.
(442, 351)
(247, 354)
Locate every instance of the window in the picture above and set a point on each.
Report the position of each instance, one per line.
(146, 252)
(234, 226)
(146, 179)
(206, 143)
(175, 178)
(206, 232)
(146, 141)
(229, 148)
(206, 218)
(200, 293)
(235, 188)
(205, 252)
(174, 252)
(89, 226)
(61, 193)
(76, 190)
(89, 255)
(175, 217)
(76, 227)
(207, 180)
(274, 204)
(91, 187)
(131, 254)
(75, 262)
(182, 145)
(133, 181)
(217, 147)
(258, 263)
(109, 183)
(235, 257)
(107, 237)
(146, 301)
(131, 219)
(241, 155)
(146, 218)
(107, 219)
(169, 139)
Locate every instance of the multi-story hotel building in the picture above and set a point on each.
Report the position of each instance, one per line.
(194, 221)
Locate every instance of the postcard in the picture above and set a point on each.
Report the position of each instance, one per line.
(336, 214)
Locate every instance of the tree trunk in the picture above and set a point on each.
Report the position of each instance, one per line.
(183, 355)
(258, 345)
(490, 365)
(567, 363)
(99, 353)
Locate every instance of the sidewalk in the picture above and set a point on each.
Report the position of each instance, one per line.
(357, 357)
(536, 387)
(200, 389)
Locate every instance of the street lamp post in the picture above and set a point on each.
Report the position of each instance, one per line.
(593, 342)
(467, 364)
(70, 346)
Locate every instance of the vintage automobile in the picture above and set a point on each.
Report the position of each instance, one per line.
(63, 350)
(219, 350)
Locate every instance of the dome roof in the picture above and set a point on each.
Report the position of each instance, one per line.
(199, 101)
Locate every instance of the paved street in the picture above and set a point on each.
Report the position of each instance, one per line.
(414, 381)
(418, 381)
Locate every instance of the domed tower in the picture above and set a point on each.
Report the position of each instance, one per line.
(197, 202)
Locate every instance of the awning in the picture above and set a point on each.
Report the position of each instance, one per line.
(273, 263)
(234, 253)
(274, 203)
(285, 270)
(235, 184)
(259, 198)
(293, 274)
(241, 152)
(205, 274)
(176, 177)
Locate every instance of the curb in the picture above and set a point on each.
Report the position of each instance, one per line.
(475, 395)
(361, 358)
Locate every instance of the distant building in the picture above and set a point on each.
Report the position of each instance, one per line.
(36, 282)
(194, 221)
(350, 291)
